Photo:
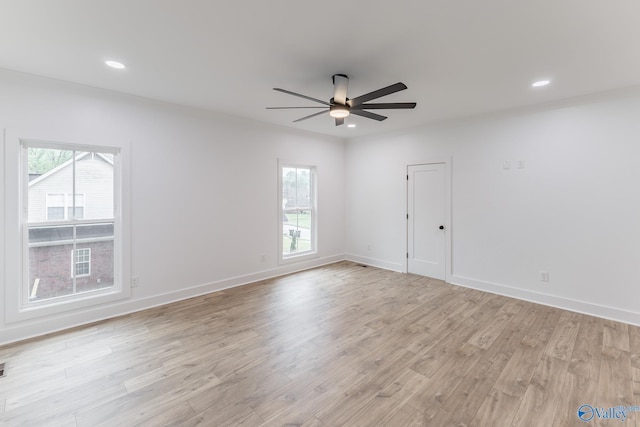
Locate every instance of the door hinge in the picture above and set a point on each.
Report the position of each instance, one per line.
(407, 216)
(407, 255)
(407, 177)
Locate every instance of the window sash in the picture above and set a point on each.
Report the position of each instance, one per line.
(69, 203)
(297, 197)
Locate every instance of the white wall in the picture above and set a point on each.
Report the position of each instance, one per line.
(573, 210)
(203, 190)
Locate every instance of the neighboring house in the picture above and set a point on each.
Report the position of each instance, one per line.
(55, 269)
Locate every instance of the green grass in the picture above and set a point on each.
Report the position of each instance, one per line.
(303, 220)
(303, 245)
(300, 221)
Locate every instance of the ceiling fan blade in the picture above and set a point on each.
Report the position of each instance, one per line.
(308, 117)
(368, 115)
(340, 121)
(285, 108)
(340, 83)
(385, 106)
(377, 94)
(301, 96)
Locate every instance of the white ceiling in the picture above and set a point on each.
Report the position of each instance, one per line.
(458, 57)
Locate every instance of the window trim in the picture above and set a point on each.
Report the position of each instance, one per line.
(313, 252)
(17, 305)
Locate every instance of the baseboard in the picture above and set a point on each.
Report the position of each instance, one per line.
(374, 262)
(35, 328)
(577, 306)
(39, 327)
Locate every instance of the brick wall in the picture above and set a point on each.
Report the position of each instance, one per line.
(52, 265)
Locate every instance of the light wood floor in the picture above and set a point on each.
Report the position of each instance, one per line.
(337, 345)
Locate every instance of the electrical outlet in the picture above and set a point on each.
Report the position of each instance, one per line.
(544, 276)
(135, 281)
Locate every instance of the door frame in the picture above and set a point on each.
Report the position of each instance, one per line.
(448, 213)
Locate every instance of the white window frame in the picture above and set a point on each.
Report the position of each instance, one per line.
(18, 306)
(313, 251)
(74, 262)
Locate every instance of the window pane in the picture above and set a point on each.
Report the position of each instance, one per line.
(303, 194)
(56, 270)
(297, 210)
(55, 214)
(95, 268)
(75, 189)
(82, 262)
(79, 213)
(296, 230)
(94, 231)
(49, 274)
(94, 186)
(50, 235)
(50, 178)
(289, 185)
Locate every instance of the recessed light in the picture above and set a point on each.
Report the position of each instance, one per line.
(541, 83)
(351, 125)
(115, 64)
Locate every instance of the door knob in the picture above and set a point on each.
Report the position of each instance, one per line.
(441, 227)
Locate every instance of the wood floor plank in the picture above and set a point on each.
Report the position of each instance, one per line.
(442, 321)
(615, 386)
(314, 422)
(236, 416)
(60, 404)
(452, 342)
(516, 376)
(157, 414)
(634, 347)
(498, 408)
(124, 405)
(585, 360)
(543, 393)
(379, 370)
(387, 399)
(485, 337)
(338, 381)
(337, 345)
(577, 390)
(471, 393)
(564, 335)
(616, 335)
(406, 416)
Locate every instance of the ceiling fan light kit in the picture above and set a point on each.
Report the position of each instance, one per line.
(338, 111)
(340, 106)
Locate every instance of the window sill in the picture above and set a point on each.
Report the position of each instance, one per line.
(292, 259)
(64, 305)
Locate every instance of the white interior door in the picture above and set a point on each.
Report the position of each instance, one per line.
(426, 220)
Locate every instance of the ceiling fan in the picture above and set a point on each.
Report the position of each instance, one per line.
(340, 106)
